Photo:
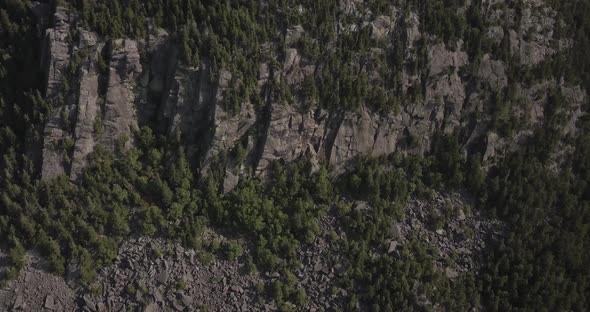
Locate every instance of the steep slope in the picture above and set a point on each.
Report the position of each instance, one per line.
(306, 154)
(455, 93)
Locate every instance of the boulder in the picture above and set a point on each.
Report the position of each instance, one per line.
(186, 300)
(89, 303)
(19, 302)
(460, 215)
(152, 307)
(162, 277)
(396, 231)
(451, 273)
(392, 246)
(49, 303)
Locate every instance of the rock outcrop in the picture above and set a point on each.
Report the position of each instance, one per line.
(452, 96)
(88, 110)
(54, 135)
(57, 51)
(291, 132)
(119, 111)
(99, 103)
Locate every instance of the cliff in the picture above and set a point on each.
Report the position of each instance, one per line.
(121, 84)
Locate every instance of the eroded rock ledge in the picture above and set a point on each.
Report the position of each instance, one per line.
(121, 84)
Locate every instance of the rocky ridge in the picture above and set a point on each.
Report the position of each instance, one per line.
(144, 81)
(105, 88)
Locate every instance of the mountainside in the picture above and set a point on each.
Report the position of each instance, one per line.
(295, 155)
(373, 109)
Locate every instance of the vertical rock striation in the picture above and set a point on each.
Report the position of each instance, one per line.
(455, 96)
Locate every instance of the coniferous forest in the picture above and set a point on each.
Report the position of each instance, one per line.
(350, 111)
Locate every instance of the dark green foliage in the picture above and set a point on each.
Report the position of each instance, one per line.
(70, 220)
(474, 177)
(441, 18)
(16, 255)
(539, 264)
(277, 216)
(384, 282)
(232, 250)
(448, 160)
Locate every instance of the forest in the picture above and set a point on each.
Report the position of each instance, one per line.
(539, 264)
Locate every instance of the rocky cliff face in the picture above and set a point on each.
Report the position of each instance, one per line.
(118, 85)
(96, 98)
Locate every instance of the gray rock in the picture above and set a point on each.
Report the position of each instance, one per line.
(158, 295)
(87, 112)
(152, 307)
(392, 246)
(230, 181)
(533, 40)
(292, 132)
(318, 266)
(89, 303)
(496, 34)
(49, 303)
(361, 206)
(396, 231)
(237, 289)
(492, 145)
(57, 52)
(177, 306)
(460, 215)
(162, 277)
(381, 27)
(186, 300)
(493, 73)
(18, 302)
(119, 113)
(53, 157)
(88, 39)
(442, 59)
(451, 273)
(102, 307)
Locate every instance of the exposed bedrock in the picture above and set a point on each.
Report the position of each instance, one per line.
(122, 84)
